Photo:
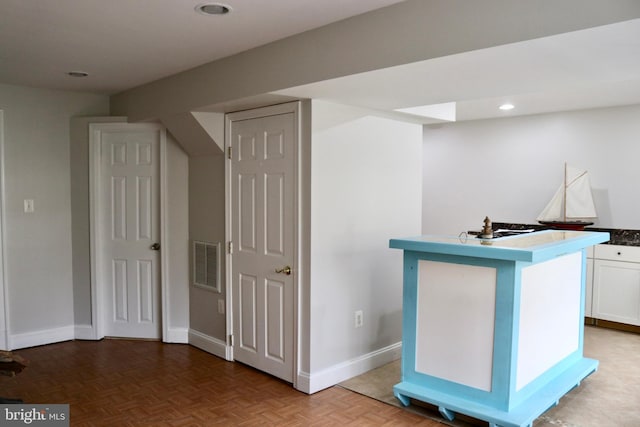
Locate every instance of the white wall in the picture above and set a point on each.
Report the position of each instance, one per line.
(38, 269)
(365, 189)
(508, 169)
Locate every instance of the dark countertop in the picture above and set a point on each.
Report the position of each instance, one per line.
(618, 236)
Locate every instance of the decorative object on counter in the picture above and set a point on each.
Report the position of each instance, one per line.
(571, 207)
(487, 231)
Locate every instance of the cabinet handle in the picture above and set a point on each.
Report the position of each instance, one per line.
(619, 253)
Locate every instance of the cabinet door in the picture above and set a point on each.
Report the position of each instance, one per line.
(616, 291)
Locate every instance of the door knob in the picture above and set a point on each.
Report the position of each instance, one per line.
(155, 247)
(285, 270)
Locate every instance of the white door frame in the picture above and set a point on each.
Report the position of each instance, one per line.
(290, 107)
(95, 218)
(4, 291)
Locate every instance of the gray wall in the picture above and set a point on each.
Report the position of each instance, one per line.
(206, 223)
(38, 268)
(3, 320)
(47, 252)
(177, 199)
(81, 256)
(509, 169)
(365, 189)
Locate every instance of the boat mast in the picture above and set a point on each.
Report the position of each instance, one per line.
(564, 206)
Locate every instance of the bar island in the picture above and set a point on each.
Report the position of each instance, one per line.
(493, 328)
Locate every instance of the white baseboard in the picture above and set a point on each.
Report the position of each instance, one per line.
(4, 345)
(47, 336)
(80, 332)
(174, 335)
(210, 344)
(303, 382)
(85, 332)
(177, 336)
(311, 383)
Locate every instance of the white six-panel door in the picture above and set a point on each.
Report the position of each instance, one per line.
(129, 231)
(262, 192)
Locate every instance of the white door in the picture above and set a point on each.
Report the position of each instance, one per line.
(263, 236)
(128, 229)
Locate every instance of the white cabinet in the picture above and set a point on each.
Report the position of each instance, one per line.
(616, 284)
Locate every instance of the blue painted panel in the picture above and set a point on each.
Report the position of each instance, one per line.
(521, 416)
(506, 333)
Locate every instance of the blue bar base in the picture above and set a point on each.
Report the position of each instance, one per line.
(522, 415)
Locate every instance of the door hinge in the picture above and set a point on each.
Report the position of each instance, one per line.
(231, 340)
(230, 247)
(229, 152)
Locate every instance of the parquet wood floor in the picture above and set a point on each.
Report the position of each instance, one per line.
(144, 383)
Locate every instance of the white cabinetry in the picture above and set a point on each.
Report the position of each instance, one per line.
(616, 284)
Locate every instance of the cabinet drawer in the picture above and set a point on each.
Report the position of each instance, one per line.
(617, 253)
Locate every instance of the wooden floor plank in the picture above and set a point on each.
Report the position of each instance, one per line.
(145, 383)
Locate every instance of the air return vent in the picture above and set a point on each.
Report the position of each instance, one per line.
(206, 265)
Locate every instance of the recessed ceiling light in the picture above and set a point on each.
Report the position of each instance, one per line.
(77, 74)
(213, 9)
(506, 107)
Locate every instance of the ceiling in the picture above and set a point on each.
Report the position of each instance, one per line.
(597, 67)
(126, 43)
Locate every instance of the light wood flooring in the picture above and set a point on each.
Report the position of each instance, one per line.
(143, 383)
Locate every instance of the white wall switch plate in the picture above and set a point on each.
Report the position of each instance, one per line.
(358, 319)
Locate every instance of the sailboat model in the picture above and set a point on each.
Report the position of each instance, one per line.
(571, 208)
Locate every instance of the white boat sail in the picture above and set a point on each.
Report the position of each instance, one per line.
(573, 202)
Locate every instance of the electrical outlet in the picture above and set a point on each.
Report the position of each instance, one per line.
(358, 319)
(221, 306)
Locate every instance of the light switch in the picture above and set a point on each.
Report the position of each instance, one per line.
(28, 205)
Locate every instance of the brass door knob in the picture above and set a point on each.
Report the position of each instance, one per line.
(285, 270)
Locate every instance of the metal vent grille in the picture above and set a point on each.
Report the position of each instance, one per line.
(206, 265)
